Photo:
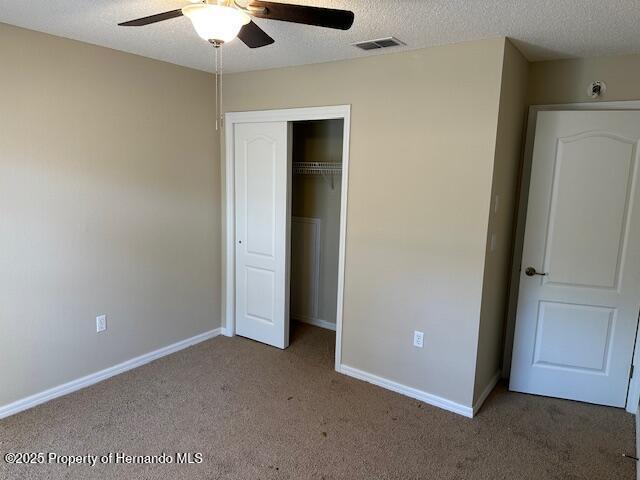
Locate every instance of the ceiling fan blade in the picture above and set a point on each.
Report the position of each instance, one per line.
(321, 17)
(139, 22)
(254, 37)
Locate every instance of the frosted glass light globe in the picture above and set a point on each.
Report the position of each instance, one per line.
(216, 22)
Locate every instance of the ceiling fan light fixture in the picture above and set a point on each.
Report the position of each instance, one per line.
(217, 23)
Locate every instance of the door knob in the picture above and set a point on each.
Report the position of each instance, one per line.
(530, 272)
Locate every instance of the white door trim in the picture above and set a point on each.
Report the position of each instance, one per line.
(633, 394)
(228, 248)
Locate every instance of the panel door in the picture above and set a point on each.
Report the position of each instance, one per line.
(580, 274)
(262, 177)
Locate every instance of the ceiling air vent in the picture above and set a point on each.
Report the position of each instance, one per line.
(379, 43)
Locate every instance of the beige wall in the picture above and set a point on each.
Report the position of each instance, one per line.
(423, 135)
(566, 81)
(506, 172)
(109, 203)
(314, 197)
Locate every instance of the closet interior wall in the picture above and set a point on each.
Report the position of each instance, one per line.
(315, 225)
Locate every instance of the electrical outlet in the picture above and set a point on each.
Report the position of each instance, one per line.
(101, 323)
(418, 339)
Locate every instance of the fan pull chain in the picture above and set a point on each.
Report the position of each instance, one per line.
(220, 102)
(218, 73)
(217, 112)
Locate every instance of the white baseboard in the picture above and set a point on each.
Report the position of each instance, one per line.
(425, 397)
(315, 322)
(72, 386)
(487, 390)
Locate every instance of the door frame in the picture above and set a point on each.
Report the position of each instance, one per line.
(633, 392)
(228, 193)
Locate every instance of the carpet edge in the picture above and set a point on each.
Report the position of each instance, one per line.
(423, 396)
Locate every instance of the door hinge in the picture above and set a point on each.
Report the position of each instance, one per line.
(631, 371)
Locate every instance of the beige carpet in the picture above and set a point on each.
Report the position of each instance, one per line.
(255, 412)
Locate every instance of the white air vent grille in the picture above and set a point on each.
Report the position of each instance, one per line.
(379, 43)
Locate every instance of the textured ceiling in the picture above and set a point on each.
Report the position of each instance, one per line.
(543, 29)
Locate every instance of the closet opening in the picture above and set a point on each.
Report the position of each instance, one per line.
(286, 178)
(316, 155)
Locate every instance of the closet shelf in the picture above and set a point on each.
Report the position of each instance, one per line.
(317, 168)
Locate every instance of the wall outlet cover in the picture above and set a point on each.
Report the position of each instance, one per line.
(101, 323)
(418, 339)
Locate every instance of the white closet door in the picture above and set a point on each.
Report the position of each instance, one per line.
(262, 176)
(580, 285)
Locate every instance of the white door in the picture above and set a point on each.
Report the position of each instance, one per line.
(580, 275)
(262, 178)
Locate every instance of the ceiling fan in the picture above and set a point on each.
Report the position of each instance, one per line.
(220, 21)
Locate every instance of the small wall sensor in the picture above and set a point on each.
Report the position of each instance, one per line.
(596, 89)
